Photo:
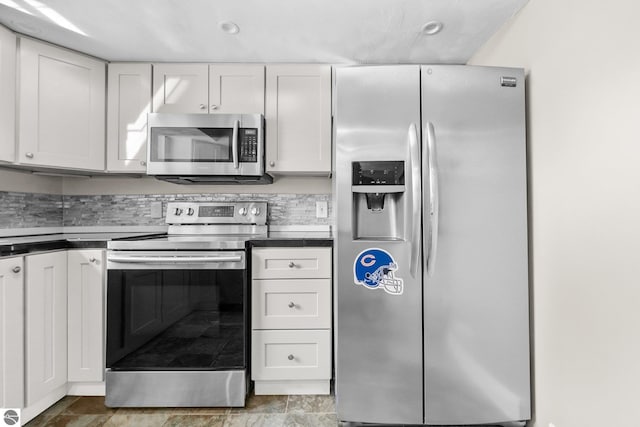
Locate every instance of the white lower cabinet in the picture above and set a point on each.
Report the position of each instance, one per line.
(291, 320)
(11, 333)
(85, 315)
(45, 324)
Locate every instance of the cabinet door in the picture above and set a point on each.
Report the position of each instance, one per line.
(62, 105)
(236, 88)
(291, 304)
(85, 315)
(11, 333)
(298, 119)
(180, 88)
(290, 263)
(291, 355)
(45, 324)
(7, 95)
(128, 103)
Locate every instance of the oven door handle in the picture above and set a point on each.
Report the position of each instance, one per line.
(147, 259)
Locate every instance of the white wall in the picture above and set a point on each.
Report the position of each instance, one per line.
(583, 61)
(148, 185)
(26, 182)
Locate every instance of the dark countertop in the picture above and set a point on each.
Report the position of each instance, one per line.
(19, 245)
(293, 238)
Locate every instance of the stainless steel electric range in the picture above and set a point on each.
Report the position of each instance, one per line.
(177, 309)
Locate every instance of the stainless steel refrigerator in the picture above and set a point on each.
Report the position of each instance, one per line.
(431, 264)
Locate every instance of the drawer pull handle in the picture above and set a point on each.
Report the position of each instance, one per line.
(290, 357)
(292, 264)
(291, 304)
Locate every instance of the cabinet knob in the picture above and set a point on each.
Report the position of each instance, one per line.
(291, 304)
(214, 107)
(28, 155)
(143, 163)
(272, 163)
(203, 107)
(292, 264)
(16, 269)
(290, 357)
(92, 259)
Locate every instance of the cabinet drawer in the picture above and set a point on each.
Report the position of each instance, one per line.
(291, 304)
(291, 355)
(290, 263)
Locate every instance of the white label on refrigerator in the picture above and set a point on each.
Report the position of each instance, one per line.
(374, 269)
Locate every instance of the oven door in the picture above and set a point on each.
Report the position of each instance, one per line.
(177, 328)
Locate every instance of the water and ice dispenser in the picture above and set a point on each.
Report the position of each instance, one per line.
(379, 200)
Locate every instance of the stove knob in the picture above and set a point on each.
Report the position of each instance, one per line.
(242, 211)
(178, 212)
(190, 211)
(255, 211)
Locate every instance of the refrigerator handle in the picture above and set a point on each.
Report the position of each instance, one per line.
(416, 208)
(434, 199)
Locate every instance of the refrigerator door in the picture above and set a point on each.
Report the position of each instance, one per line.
(378, 328)
(476, 348)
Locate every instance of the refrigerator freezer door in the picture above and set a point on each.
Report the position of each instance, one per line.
(378, 328)
(476, 293)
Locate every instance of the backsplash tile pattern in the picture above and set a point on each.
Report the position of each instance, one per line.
(131, 210)
(31, 210)
(24, 210)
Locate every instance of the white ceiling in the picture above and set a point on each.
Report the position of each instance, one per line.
(325, 31)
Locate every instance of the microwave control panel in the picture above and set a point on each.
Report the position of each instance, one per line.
(248, 145)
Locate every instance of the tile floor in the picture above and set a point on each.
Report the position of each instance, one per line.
(264, 411)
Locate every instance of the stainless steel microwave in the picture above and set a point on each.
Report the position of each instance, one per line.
(206, 148)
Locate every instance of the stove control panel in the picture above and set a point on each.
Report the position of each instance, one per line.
(217, 213)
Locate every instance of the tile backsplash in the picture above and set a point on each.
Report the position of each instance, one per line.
(25, 210)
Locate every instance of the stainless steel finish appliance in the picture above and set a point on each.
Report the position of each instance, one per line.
(432, 311)
(207, 148)
(177, 309)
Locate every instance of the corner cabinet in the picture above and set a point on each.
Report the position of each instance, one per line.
(61, 108)
(128, 103)
(291, 320)
(11, 333)
(203, 88)
(85, 315)
(7, 95)
(298, 119)
(45, 325)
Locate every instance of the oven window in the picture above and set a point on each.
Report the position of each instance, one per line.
(176, 319)
(191, 144)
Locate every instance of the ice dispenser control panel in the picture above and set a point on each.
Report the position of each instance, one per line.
(378, 173)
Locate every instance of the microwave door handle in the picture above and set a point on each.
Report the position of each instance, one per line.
(234, 148)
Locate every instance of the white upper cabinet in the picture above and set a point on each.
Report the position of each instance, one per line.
(236, 88)
(180, 88)
(7, 95)
(62, 108)
(203, 88)
(298, 119)
(128, 103)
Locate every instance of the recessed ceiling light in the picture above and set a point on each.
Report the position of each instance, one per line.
(229, 27)
(431, 28)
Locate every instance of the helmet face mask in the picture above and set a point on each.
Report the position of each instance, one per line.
(374, 269)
